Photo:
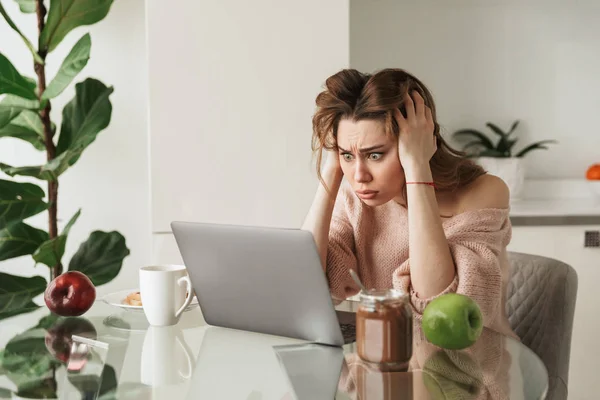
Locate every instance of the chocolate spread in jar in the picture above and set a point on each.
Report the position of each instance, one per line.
(384, 329)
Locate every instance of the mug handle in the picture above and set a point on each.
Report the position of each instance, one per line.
(187, 301)
(188, 357)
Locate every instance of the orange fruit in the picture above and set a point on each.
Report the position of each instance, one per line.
(593, 173)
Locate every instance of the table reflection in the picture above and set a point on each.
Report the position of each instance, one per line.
(480, 371)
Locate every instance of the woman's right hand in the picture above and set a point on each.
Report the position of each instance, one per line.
(318, 219)
(332, 165)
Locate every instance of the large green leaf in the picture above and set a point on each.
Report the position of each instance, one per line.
(100, 257)
(26, 6)
(7, 114)
(19, 103)
(26, 126)
(26, 308)
(71, 66)
(40, 171)
(11, 81)
(11, 108)
(22, 132)
(16, 292)
(19, 201)
(50, 252)
(19, 239)
(30, 120)
(65, 15)
(10, 23)
(48, 172)
(84, 117)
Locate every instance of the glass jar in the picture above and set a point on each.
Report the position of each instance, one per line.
(384, 329)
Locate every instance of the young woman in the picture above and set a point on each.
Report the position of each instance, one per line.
(412, 213)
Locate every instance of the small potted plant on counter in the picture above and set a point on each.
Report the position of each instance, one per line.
(498, 158)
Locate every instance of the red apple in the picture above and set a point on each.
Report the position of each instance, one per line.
(59, 337)
(70, 294)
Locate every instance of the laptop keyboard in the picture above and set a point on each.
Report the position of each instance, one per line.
(348, 332)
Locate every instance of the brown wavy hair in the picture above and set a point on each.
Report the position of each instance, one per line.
(359, 96)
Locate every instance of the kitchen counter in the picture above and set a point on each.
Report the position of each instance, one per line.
(555, 202)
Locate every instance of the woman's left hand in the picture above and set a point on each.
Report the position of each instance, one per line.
(416, 142)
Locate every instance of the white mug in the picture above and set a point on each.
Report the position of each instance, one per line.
(166, 357)
(163, 289)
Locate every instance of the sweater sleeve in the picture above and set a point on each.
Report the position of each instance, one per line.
(477, 241)
(341, 254)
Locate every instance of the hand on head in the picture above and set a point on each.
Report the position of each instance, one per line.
(416, 142)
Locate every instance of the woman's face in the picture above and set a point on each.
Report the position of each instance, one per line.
(369, 160)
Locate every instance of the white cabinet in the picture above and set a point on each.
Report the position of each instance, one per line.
(566, 243)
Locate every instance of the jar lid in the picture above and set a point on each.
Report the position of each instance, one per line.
(383, 295)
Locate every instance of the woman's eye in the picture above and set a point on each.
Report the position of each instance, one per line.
(375, 156)
(347, 156)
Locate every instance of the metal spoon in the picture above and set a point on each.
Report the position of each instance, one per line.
(356, 279)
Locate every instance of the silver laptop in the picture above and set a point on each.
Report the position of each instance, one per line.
(260, 279)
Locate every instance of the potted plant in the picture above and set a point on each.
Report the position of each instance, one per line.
(498, 158)
(26, 114)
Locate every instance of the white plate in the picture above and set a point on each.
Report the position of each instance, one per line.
(116, 299)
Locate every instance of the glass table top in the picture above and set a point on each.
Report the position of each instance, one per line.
(112, 353)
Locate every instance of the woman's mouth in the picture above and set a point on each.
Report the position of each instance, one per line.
(366, 194)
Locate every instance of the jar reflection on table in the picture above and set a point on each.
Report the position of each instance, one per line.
(384, 329)
(378, 385)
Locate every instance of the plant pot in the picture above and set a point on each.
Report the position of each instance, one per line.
(510, 170)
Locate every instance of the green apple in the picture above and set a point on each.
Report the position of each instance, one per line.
(452, 321)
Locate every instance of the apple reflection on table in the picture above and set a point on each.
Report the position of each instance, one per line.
(74, 342)
(59, 337)
(480, 371)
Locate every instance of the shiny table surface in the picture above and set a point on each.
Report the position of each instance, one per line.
(118, 356)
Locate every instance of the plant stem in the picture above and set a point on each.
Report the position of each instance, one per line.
(48, 136)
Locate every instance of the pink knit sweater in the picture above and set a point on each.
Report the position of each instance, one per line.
(374, 241)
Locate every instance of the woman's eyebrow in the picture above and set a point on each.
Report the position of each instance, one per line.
(366, 149)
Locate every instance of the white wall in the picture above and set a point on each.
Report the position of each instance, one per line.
(111, 181)
(498, 61)
(232, 92)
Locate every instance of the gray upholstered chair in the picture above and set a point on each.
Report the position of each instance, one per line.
(540, 306)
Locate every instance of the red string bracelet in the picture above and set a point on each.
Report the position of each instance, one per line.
(432, 184)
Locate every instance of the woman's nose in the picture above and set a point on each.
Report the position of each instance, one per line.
(361, 172)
